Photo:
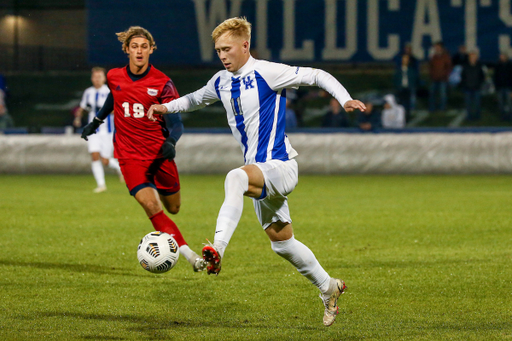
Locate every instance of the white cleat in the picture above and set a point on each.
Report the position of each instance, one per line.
(331, 302)
(199, 265)
(100, 189)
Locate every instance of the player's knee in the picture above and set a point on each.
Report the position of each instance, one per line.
(172, 209)
(236, 176)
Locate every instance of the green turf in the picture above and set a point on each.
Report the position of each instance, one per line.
(424, 258)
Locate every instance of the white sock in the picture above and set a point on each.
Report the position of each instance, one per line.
(114, 164)
(236, 184)
(304, 261)
(190, 255)
(98, 172)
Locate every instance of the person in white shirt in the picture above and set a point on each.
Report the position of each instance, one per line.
(100, 145)
(393, 115)
(253, 93)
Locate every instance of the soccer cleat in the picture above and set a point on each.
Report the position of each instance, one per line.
(100, 189)
(212, 258)
(331, 302)
(199, 265)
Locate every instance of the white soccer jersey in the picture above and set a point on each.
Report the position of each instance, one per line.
(92, 101)
(255, 101)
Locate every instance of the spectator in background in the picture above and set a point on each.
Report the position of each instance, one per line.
(406, 82)
(440, 66)
(460, 57)
(393, 115)
(6, 120)
(336, 117)
(503, 84)
(370, 119)
(3, 86)
(472, 79)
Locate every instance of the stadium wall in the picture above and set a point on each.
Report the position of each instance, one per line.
(327, 153)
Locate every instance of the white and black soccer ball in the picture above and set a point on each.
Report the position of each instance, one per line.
(158, 252)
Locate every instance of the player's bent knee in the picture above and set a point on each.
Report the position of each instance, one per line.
(237, 176)
(172, 209)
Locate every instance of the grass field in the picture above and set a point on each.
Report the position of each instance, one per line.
(424, 258)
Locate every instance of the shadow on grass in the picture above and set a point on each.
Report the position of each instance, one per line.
(81, 268)
(154, 325)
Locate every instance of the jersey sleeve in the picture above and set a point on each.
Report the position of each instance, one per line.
(107, 107)
(280, 76)
(83, 101)
(169, 92)
(198, 99)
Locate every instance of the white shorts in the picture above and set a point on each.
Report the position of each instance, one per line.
(281, 177)
(101, 143)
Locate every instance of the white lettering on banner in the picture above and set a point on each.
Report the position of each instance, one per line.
(506, 17)
(375, 51)
(380, 45)
(421, 28)
(289, 52)
(261, 29)
(206, 24)
(330, 51)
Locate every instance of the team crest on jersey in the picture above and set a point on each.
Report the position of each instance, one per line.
(152, 92)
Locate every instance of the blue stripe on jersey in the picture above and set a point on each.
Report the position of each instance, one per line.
(217, 87)
(267, 99)
(279, 150)
(110, 123)
(235, 103)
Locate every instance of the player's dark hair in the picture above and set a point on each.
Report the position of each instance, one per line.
(135, 31)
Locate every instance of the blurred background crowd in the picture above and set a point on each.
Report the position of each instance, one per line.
(46, 49)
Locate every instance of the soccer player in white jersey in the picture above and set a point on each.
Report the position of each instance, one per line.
(100, 145)
(253, 93)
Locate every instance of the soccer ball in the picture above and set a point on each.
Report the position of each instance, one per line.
(158, 252)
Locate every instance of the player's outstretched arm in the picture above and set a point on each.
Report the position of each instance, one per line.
(354, 105)
(156, 109)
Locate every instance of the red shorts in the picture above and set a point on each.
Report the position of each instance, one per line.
(160, 174)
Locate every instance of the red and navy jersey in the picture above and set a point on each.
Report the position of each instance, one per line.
(137, 137)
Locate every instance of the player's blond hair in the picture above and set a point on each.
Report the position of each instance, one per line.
(99, 69)
(135, 31)
(237, 27)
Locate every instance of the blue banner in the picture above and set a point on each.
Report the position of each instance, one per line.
(301, 31)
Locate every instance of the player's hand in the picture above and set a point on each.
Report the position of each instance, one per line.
(354, 105)
(169, 149)
(156, 109)
(77, 122)
(90, 128)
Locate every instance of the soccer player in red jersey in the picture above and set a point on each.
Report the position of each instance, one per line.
(145, 149)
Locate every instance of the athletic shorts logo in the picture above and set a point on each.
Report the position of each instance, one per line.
(118, 88)
(152, 92)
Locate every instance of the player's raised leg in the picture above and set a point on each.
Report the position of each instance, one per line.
(239, 182)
